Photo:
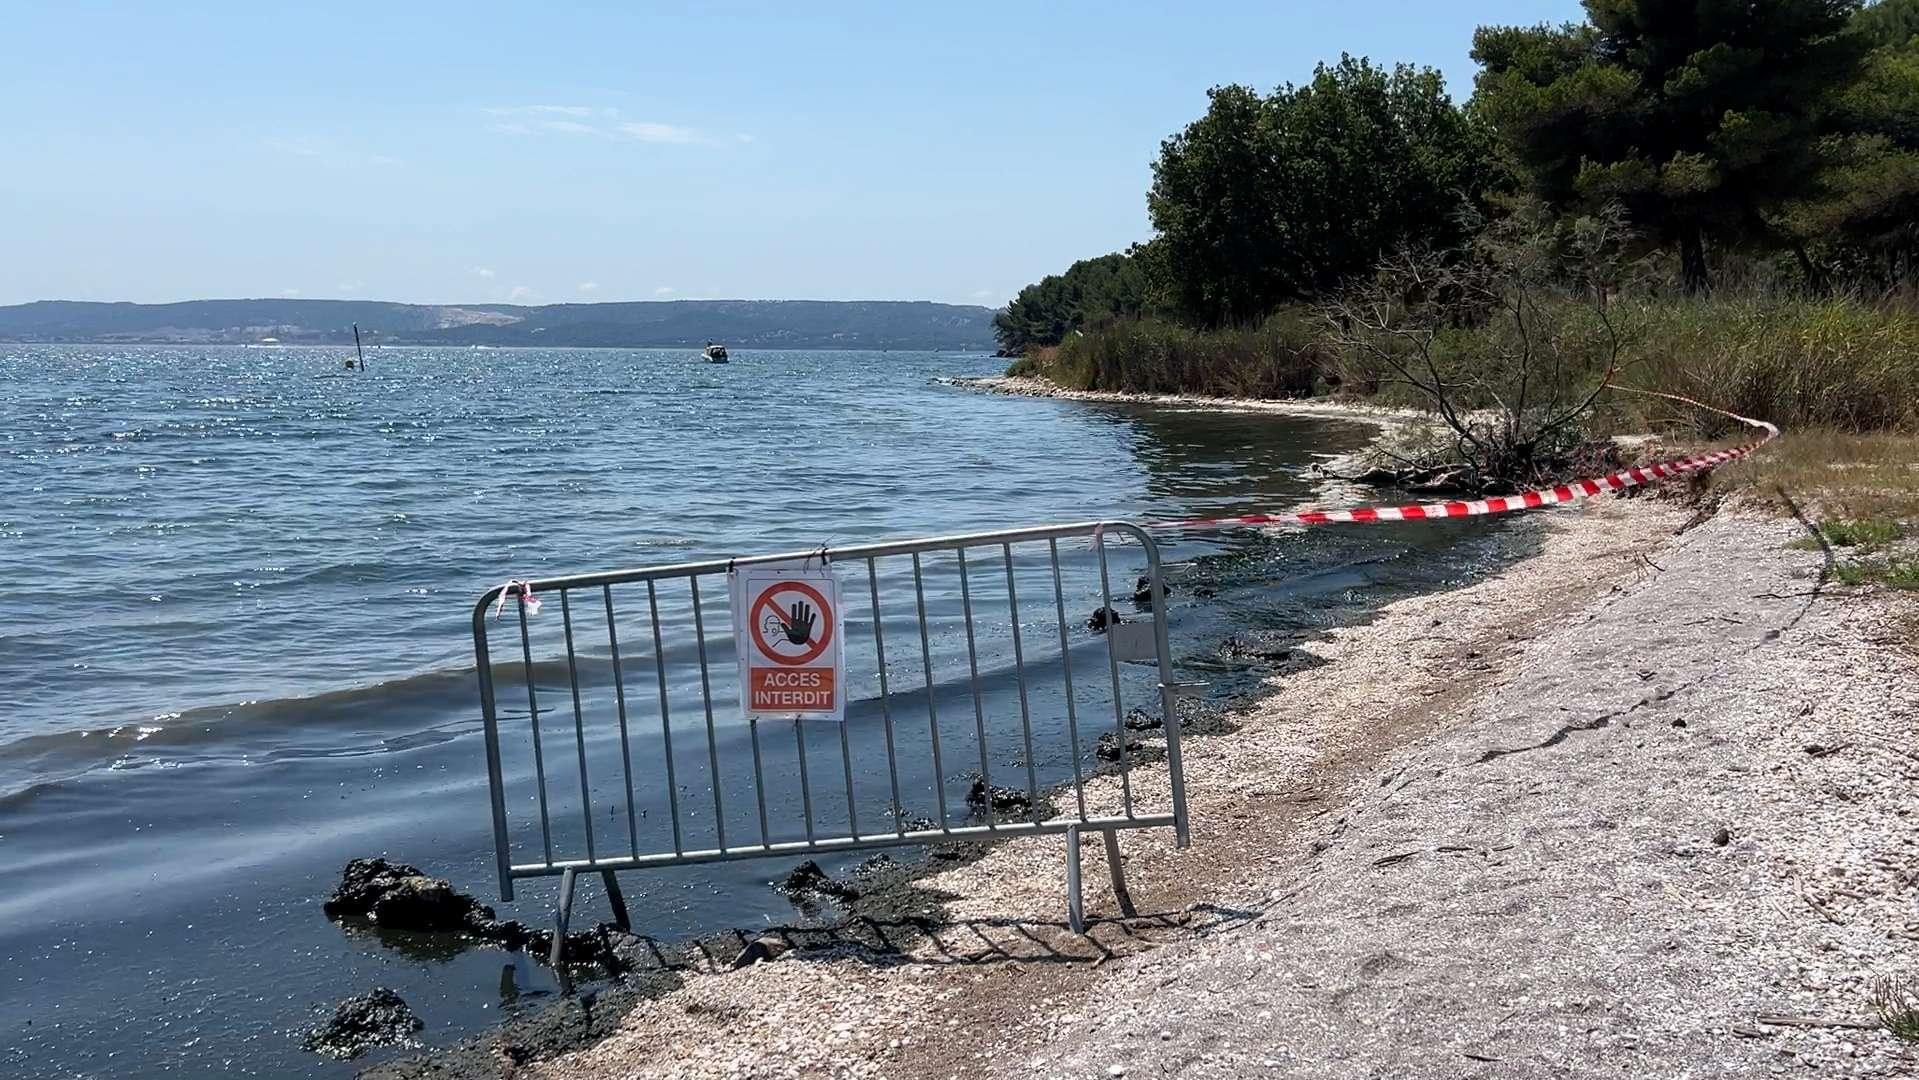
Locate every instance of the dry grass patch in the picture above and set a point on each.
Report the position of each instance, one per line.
(1860, 491)
(1870, 482)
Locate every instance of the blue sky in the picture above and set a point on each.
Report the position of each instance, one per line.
(545, 153)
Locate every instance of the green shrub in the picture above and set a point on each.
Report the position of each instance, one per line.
(1863, 535)
(1026, 367)
(1867, 534)
(1839, 363)
(1283, 357)
(1903, 574)
(1836, 362)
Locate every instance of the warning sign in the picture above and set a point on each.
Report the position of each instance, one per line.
(787, 628)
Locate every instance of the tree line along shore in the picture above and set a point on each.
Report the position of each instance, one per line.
(1719, 203)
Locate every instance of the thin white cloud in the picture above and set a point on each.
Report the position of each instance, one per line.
(518, 293)
(289, 292)
(659, 133)
(351, 286)
(547, 110)
(483, 271)
(607, 123)
(326, 151)
(299, 146)
(665, 290)
(983, 294)
(589, 286)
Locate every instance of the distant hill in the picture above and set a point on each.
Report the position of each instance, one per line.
(791, 324)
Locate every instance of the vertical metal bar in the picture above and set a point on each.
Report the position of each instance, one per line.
(706, 696)
(562, 915)
(579, 722)
(1168, 696)
(886, 706)
(806, 787)
(1112, 663)
(619, 695)
(495, 780)
(759, 781)
(1075, 901)
(1019, 671)
(616, 900)
(846, 761)
(1066, 666)
(539, 758)
(979, 709)
(666, 722)
(932, 710)
(1117, 868)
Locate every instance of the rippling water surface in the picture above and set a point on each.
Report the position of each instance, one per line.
(237, 648)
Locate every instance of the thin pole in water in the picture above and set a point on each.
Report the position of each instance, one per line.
(357, 351)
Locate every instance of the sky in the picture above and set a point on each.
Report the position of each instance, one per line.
(474, 152)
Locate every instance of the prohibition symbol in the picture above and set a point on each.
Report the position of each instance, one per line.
(793, 668)
(792, 623)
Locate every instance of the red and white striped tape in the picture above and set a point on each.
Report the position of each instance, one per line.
(1564, 493)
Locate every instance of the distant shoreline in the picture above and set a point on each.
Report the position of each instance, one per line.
(834, 324)
(401, 345)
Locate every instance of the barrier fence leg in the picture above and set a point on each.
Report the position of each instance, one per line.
(617, 900)
(561, 915)
(1075, 905)
(1119, 875)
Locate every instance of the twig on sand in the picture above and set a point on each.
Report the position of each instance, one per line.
(1823, 911)
(1816, 1022)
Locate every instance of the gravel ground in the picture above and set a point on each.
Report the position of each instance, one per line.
(1617, 811)
(1686, 813)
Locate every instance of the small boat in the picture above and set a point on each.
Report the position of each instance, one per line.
(714, 353)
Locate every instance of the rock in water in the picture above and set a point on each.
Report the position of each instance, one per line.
(1102, 618)
(604, 946)
(378, 1017)
(362, 883)
(399, 896)
(1005, 800)
(1143, 591)
(418, 902)
(509, 934)
(807, 881)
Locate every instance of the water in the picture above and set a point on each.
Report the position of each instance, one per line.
(238, 650)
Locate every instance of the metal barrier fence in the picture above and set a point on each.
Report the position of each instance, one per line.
(967, 718)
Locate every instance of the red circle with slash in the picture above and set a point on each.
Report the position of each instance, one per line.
(765, 605)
